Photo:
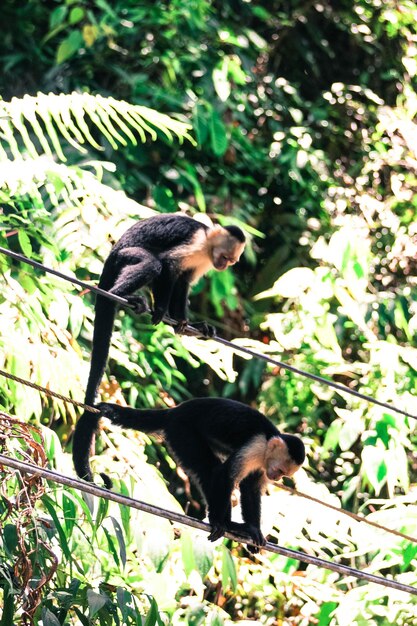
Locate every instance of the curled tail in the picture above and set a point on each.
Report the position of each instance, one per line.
(87, 425)
(82, 443)
(145, 420)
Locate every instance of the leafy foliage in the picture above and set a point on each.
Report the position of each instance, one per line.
(303, 132)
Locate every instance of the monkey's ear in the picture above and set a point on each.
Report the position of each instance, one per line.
(276, 444)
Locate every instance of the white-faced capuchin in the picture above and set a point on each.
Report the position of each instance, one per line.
(221, 444)
(167, 253)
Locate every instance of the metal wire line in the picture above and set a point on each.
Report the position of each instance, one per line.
(48, 392)
(355, 516)
(192, 331)
(95, 490)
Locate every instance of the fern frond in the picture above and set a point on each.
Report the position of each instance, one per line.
(64, 184)
(51, 118)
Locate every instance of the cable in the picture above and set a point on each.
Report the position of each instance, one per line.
(355, 516)
(48, 392)
(95, 490)
(192, 331)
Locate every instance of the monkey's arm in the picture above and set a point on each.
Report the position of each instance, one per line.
(250, 502)
(178, 304)
(178, 310)
(219, 496)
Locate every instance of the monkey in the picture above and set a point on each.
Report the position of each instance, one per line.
(167, 253)
(221, 444)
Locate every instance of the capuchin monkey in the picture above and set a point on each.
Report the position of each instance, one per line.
(167, 253)
(221, 444)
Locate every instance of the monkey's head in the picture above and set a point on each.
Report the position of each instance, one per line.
(225, 246)
(285, 455)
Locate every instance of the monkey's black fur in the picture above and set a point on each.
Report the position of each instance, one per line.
(214, 440)
(151, 252)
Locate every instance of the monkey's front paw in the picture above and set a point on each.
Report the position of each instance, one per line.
(180, 327)
(217, 531)
(139, 304)
(206, 330)
(158, 316)
(251, 531)
(257, 537)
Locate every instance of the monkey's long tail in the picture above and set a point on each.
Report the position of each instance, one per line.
(145, 420)
(87, 425)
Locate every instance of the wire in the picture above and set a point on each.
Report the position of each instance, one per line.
(91, 409)
(355, 516)
(95, 490)
(192, 331)
(48, 392)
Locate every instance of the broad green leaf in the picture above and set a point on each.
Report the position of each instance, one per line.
(49, 619)
(112, 546)
(220, 80)
(200, 124)
(187, 552)
(203, 555)
(25, 243)
(218, 136)
(228, 570)
(120, 539)
(70, 513)
(103, 507)
(76, 15)
(7, 617)
(350, 431)
(10, 538)
(50, 505)
(69, 46)
(57, 16)
(374, 466)
(96, 601)
(331, 440)
(290, 285)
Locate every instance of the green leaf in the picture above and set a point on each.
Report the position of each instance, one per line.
(112, 546)
(164, 198)
(70, 513)
(8, 606)
(331, 440)
(10, 538)
(120, 539)
(50, 505)
(350, 431)
(187, 552)
(103, 507)
(200, 124)
(96, 601)
(76, 15)
(220, 81)
(153, 615)
(57, 16)
(24, 242)
(218, 137)
(374, 466)
(49, 619)
(69, 46)
(228, 570)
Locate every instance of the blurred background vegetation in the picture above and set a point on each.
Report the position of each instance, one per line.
(295, 120)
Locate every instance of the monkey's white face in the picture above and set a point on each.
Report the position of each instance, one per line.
(226, 251)
(278, 462)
